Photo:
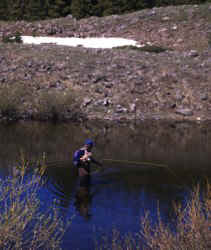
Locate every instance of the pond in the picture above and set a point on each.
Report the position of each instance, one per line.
(145, 166)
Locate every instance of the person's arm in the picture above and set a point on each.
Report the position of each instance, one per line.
(77, 157)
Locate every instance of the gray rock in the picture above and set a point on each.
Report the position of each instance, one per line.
(103, 102)
(152, 13)
(108, 85)
(132, 107)
(178, 95)
(166, 18)
(99, 78)
(184, 111)
(120, 109)
(193, 53)
(203, 96)
(87, 101)
(29, 64)
(106, 102)
(69, 16)
(98, 102)
(99, 90)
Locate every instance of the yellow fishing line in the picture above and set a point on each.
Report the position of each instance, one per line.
(142, 163)
(137, 163)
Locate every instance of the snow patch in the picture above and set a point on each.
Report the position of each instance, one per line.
(92, 42)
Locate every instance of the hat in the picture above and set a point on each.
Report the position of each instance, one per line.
(89, 142)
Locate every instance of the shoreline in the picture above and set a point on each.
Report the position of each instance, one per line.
(117, 120)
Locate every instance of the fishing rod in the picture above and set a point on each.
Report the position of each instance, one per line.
(142, 163)
(115, 161)
(137, 163)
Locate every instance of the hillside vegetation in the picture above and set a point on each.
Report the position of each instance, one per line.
(169, 78)
(30, 10)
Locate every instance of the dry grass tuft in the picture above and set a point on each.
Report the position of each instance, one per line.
(192, 230)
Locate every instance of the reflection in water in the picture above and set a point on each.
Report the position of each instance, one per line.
(61, 182)
(83, 196)
(184, 147)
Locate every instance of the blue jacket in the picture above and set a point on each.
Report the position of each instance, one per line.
(76, 157)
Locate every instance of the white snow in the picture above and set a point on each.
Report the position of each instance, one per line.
(91, 42)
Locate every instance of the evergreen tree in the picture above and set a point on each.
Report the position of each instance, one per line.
(134, 5)
(109, 7)
(178, 2)
(3, 10)
(59, 8)
(105, 7)
(17, 9)
(33, 10)
(82, 8)
(45, 5)
(43, 9)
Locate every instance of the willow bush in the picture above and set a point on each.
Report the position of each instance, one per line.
(57, 105)
(22, 224)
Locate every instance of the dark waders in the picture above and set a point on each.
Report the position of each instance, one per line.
(83, 197)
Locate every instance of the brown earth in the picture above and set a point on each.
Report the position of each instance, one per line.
(57, 82)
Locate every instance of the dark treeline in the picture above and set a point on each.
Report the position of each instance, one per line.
(44, 9)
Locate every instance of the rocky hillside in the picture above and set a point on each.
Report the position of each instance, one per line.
(170, 78)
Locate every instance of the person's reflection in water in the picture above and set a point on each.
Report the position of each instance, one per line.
(83, 197)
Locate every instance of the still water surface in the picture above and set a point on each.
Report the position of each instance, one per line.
(118, 196)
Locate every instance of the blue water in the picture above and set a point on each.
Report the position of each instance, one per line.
(112, 201)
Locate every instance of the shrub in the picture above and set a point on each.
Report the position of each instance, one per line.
(11, 99)
(22, 225)
(146, 48)
(12, 38)
(192, 230)
(57, 105)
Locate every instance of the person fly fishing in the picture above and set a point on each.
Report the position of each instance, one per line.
(83, 158)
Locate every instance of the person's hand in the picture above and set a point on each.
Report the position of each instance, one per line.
(86, 156)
